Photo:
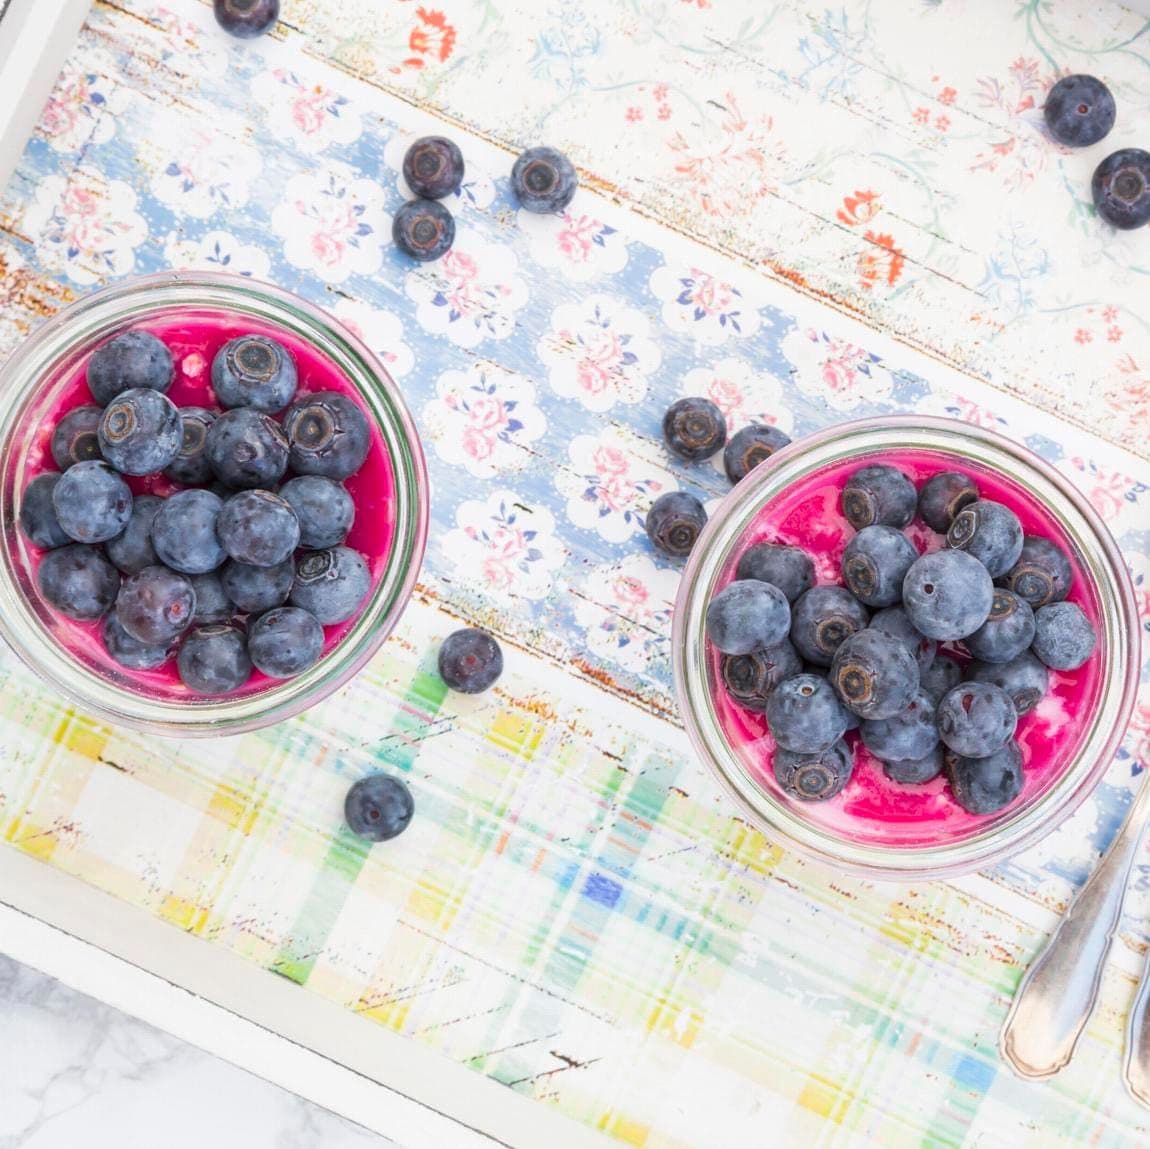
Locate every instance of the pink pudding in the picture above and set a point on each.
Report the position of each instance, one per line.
(194, 336)
(872, 809)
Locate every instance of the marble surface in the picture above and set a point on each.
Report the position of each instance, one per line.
(74, 1071)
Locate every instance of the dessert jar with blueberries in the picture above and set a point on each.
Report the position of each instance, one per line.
(214, 504)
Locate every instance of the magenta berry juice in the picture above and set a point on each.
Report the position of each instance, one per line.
(872, 809)
(194, 337)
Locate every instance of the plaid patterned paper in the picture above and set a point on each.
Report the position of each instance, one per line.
(575, 912)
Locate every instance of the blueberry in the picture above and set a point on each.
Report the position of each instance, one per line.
(805, 715)
(749, 447)
(332, 584)
(943, 496)
(748, 615)
(184, 532)
(879, 495)
(258, 528)
(155, 605)
(694, 428)
(92, 502)
(1024, 678)
(131, 360)
(895, 622)
(544, 180)
(246, 18)
(941, 677)
(788, 568)
(1042, 574)
(1007, 632)
(247, 448)
(674, 522)
(323, 507)
(131, 550)
(76, 438)
(984, 785)
(329, 435)
(191, 464)
(990, 532)
(470, 661)
(433, 167)
(1063, 636)
(916, 771)
(38, 513)
(976, 719)
(214, 660)
(140, 432)
(750, 678)
(256, 589)
(212, 602)
(1079, 111)
(909, 735)
(423, 229)
(78, 581)
(1121, 188)
(378, 808)
(254, 371)
(874, 674)
(814, 777)
(947, 595)
(285, 642)
(130, 652)
(822, 618)
(875, 563)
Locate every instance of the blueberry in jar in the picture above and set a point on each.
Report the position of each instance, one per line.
(943, 496)
(875, 563)
(130, 652)
(750, 678)
(255, 589)
(747, 615)
(254, 371)
(1064, 637)
(214, 660)
(423, 229)
(131, 360)
(246, 448)
(987, 784)
(258, 528)
(191, 464)
(332, 584)
(941, 677)
(433, 167)
(874, 674)
(879, 495)
(155, 605)
(212, 602)
(329, 435)
(38, 513)
(184, 532)
(976, 719)
(674, 522)
(140, 432)
(694, 428)
(817, 776)
(544, 181)
(78, 581)
(470, 661)
(947, 595)
(1042, 573)
(749, 447)
(1007, 632)
(378, 808)
(131, 550)
(788, 568)
(909, 735)
(915, 771)
(895, 622)
(805, 715)
(990, 532)
(92, 502)
(285, 642)
(1024, 679)
(323, 507)
(76, 438)
(822, 618)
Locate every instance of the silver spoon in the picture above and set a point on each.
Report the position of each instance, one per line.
(1056, 997)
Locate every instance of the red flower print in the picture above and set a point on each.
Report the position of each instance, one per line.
(659, 91)
(699, 3)
(1110, 314)
(861, 207)
(1082, 336)
(922, 115)
(664, 111)
(947, 96)
(887, 262)
(633, 114)
(942, 123)
(1114, 334)
(432, 37)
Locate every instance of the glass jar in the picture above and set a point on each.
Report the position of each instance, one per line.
(31, 386)
(820, 829)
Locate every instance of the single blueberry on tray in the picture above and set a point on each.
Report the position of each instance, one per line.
(1042, 573)
(822, 618)
(258, 528)
(470, 661)
(131, 550)
(674, 522)
(423, 229)
(544, 180)
(976, 719)
(246, 19)
(990, 532)
(1079, 111)
(694, 428)
(285, 642)
(323, 507)
(1121, 188)
(38, 513)
(378, 807)
(329, 435)
(789, 568)
(879, 494)
(1024, 678)
(254, 371)
(191, 464)
(947, 595)
(332, 584)
(155, 605)
(247, 448)
(76, 438)
(750, 678)
(805, 715)
(78, 581)
(749, 447)
(92, 502)
(433, 167)
(184, 532)
(875, 563)
(874, 674)
(943, 496)
(814, 777)
(214, 660)
(747, 615)
(133, 359)
(254, 589)
(985, 785)
(1064, 637)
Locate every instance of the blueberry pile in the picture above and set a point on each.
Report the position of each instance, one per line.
(818, 663)
(232, 571)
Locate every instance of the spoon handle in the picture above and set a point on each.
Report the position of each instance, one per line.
(1136, 1068)
(1058, 993)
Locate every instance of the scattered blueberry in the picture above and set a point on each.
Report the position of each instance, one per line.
(874, 674)
(470, 661)
(184, 532)
(750, 678)
(694, 428)
(155, 605)
(258, 528)
(896, 622)
(212, 602)
(214, 660)
(329, 435)
(822, 618)
(332, 584)
(191, 463)
(544, 180)
(875, 563)
(247, 448)
(943, 496)
(909, 735)
(1042, 574)
(254, 371)
(984, 785)
(748, 615)
(976, 719)
(814, 777)
(78, 581)
(990, 532)
(805, 715)
(256, 589)
(131, 550)
(879, 495)
(423, 229)
(674, 522)
(130, 652)
(788, 568)
(1024, 678)
(379, 807)
(1121, 188)
(940, 678)
(76, 438)
(1007, 632)
(433, 167)
(285, 642)
(92, 502)
(1079, 111)
(947, 594)
(747, 448)
(1063, 636)
(323, 507)
(916, 771)
(38, 513)
(246, 18)
(133, 359)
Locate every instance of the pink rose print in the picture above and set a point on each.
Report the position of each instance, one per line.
(836, 371)
(309, 115)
